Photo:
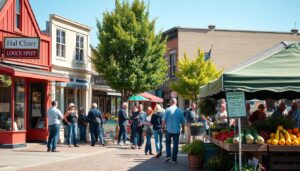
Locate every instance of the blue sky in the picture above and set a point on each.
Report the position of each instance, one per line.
(264, 15)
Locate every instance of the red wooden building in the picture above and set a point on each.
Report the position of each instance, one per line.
(26, 63)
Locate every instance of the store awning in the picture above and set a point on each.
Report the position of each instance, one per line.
(20, 71)
(275, 73)
(107, 90)
(151, 97)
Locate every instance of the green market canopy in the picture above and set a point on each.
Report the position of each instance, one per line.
(274, 73)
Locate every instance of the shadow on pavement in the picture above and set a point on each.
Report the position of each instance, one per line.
(159, 164)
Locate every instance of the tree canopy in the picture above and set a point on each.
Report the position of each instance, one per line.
(192, 74)
(130, 55)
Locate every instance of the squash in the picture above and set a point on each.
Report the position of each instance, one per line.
(293, 137)
(295, 142)
(269, 141)
(274, 142)
(281, 140)
(288, 140)
(272, 135)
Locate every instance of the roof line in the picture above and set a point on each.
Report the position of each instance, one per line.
(227, 30)
(55, 16)
(260, 56)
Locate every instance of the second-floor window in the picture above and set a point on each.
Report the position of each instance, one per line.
(60, 43)
(18, 15)
(79, 48)
(172, 65)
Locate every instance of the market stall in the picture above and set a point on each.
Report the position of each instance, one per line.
(272, 74)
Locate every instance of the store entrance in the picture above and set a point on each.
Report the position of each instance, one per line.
(36, 118)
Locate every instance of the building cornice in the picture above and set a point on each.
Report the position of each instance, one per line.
(70, 22)
(178, 28)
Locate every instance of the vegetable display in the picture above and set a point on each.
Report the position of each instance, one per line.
(284, 137)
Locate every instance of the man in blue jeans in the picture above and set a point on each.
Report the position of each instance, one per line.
(96, 125)
(122, 119)
(54, 119)
(172, 120)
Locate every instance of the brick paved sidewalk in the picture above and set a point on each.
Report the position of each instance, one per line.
(109, 158)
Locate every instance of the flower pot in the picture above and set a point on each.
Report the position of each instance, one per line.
(196, 130)
(195, 162)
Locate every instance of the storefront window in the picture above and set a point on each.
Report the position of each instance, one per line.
(19, 104)
(5, 109)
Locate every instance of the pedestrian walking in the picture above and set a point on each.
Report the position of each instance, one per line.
(190, 115)
(149, 130)
(122, 119)
(156, 121)
(54, 120)
(71, 117)
(172, 120)
(82, 123)
(134, 118)
(96, 125)
(141, 114)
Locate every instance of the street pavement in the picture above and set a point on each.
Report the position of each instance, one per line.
(109, 158)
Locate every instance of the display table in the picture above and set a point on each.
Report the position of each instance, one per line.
(245, 147)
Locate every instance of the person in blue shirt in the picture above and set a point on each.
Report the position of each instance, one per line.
(171, 123)
(122, 119)
(54, 119)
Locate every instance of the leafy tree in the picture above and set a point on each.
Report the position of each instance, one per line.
(129, 55)
(192, 74)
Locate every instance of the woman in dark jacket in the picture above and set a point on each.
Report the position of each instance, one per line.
(156, 121)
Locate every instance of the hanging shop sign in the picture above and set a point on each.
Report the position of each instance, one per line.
(22, 47)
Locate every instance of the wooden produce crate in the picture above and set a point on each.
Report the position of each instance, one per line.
(284, 161)
(284, 148)
(245, 147)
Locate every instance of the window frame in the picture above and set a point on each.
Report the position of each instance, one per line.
(172, 64)
(79, 48)
(18, 15)
(60, 45)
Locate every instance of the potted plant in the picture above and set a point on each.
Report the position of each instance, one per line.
(195, 152)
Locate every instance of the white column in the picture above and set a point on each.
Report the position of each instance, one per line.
(53, 90)
(86, 98)
(62, 99)
(75, 97)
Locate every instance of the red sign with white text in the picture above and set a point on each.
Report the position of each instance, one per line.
(29, 53)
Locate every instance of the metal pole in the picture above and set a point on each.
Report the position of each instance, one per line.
(240, 144)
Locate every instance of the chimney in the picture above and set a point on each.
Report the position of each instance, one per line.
(294, 31)
(211, 27)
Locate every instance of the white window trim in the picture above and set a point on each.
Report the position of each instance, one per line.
(60, 57)
(83, 57)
